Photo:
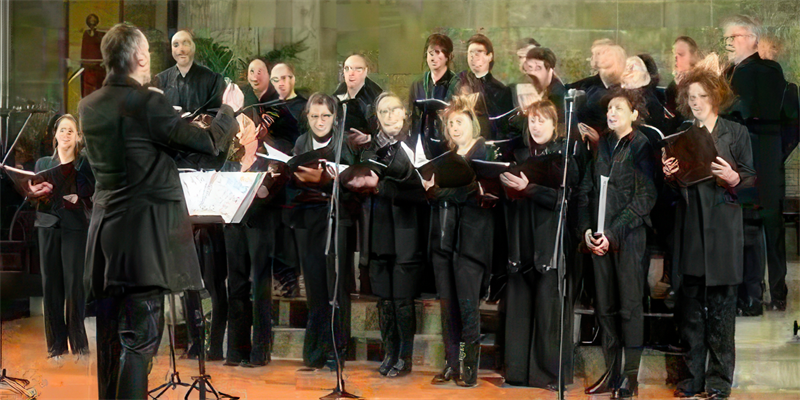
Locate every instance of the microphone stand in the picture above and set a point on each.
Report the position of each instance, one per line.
(333, 217)
(559, 260)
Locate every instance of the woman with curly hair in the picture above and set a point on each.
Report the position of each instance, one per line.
(709, 243)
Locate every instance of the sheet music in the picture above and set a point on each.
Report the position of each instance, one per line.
(194, 186)
(417, 158)
(275, 154)
(601, 209)
(227, 194)
(332, 164)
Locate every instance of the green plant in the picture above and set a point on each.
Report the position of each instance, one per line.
(218, 58)
(288, 52)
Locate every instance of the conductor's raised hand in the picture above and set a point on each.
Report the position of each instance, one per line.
(233, 97)
(518, 183)
(39, 189)
(721, 169)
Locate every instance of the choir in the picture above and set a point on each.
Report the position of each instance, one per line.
(466, 178)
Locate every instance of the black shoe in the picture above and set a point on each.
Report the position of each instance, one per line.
(447, 374)
(716, 394)
(628, 388)
(229, 363)
(603, 385)
(750, 308)
(777, 305)
(402, 368)
(683, 394)
(469, 365)
(553, 387)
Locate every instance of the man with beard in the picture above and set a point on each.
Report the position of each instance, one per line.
(196, 89)
(759, 84)
(496, 99)
(140, 245)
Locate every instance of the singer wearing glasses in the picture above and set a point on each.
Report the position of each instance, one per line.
(625, 157)
(308, 200)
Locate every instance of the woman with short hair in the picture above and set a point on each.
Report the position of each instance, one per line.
(625, 159)
(709, 239)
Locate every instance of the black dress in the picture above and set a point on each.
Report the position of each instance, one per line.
(62, 228)
(709, 252)
(619, 280)
(533, 310)
(306, 216)
(361, 109)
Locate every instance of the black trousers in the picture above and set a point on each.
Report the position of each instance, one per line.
(461, 254)
(62, 253)
(708, 324)
(249, 265)
(311, 232)
(619, 287)
(532, 343)
(210, 243)
(129, 327)
(394, 277)
(775, 230)
(751, 288)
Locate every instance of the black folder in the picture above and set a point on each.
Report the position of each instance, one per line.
(695, 150)
(450, 169)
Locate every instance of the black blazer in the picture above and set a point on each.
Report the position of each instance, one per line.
(53, 210)
(140, 234)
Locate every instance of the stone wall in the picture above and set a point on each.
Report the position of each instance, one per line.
(392, 32)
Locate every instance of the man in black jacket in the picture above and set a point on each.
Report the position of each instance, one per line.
(196, 89)
(759, 85)
(496, 98)
(140, 238)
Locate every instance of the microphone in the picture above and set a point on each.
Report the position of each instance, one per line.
(573, 94)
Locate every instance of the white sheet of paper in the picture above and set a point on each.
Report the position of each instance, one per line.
(601, 207)
(275, 154)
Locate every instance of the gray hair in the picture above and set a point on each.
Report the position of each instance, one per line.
(119, 46)
(752, 24)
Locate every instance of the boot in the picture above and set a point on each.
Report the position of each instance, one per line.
(471, 357)
(388, 324)
(406, 320)
(628, 388)
(451, 348)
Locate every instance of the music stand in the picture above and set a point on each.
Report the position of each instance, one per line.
(202, 382)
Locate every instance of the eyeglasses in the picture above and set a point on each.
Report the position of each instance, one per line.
(386, 111)
(731, 38)
(278, 79)
(324, 117)
(357, 69)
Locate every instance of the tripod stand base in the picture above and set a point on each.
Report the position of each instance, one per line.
(339, 394)
(17, 385)
(203, 385)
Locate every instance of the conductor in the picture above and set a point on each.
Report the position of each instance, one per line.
(140, 238)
